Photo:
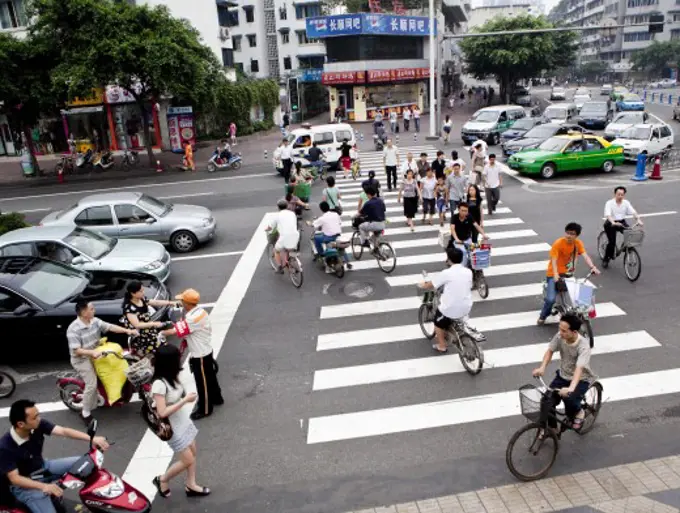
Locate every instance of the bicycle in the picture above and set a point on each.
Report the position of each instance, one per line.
(464, 337)
(7, 385)
(381, 250)
(130, 159)
(479, 259)
(628, 244)
(543, 435)
(583, 307)
(293, 264)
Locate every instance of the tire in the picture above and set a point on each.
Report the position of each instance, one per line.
(425, 317)
(270, 254)
(183, 241)
(549, 446)
(608, 166)
(357, 248)
(548, 170)
(339, 268)
(482, 285)
(602, 242)
(593, 406)
(59, 168)
(236, 165)
(211, 167)
(495, 139)
(7, 385)
(587, 331)
(387, 258)
(72, 395)
(472, 366)
(295, 271)
(632, 264)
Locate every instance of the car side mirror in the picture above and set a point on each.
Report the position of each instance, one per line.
(79, 260)
(150, 220)
(24, 310)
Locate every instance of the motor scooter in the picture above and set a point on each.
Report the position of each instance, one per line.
(380, 138)
(98, 489)
(103, 160)
(333, 255)
(217, 161)
(84, 160)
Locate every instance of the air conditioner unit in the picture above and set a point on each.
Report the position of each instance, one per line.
(224, 33)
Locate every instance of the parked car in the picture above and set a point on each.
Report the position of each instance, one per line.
(87, 250)
(133, 215)
(558, 93)
(606, 90)
(534, 137)
(519, 128)
(630, 101)
(594, 115)
(623, 121)
(568, 153)
(652, 138)
(38, 298)
(668, 82)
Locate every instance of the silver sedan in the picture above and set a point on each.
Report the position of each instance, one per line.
(133, 215)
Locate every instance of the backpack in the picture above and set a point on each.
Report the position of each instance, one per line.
(160, 426)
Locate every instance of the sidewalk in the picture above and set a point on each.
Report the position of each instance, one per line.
(651, 486)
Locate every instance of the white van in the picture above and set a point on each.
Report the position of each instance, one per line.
(560, 112)
(652, 138)
(328, 139)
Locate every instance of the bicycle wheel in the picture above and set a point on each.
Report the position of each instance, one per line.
(602, 242)
(632, 264)
(271, 252)
(470, 354)
(539, 445)
(482, 285)
(295, 271)
(7, 385)
(386, 257)
(587, 331)
(426, 320)
(339, 269)
(357, 247)
(592, 404)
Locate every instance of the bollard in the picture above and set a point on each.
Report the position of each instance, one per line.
(397, 138)
(60, 174)
(653, 95)
(670, 99)
(656, 170)
(159, 168)
(660, 97)
(265, 154)
(415, 137)
(361, 136)
(644, 95)
(640, 174)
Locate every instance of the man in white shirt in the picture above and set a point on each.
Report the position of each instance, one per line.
(391, 161)
(615, 212)
(328, 228)
(286, 159)
(493, 181)
(410, 164)
(416, 118)
(285, 224)
(455, 159)
(407, 118)
(456, 298)
(196, 330)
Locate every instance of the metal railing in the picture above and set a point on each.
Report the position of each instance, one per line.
(670, 159)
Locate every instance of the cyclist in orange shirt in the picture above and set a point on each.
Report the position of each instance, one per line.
(563, 255)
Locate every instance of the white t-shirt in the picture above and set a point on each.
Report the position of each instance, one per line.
(286, 152)
(197, 330)
(407, 114)
(416, 113)
(456, 300)
(493, 175)
(285, 222)
(181, 419)
(391, 155)
(485, 147)
(329, 223)
(618, 212)
(393, 117)
(458, 161)
(429, 185)
(413, 166)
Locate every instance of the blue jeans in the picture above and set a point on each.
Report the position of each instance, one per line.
(453, 206)
(320, 239)
(36, 500)
(572, 403)
(550, 297)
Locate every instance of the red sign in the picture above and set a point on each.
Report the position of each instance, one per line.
(339, 77)
(397, 75)
(381, 75)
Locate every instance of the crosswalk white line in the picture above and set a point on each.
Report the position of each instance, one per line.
(383, 372)
(387, 197)
(493, 236)
(494, 270)
(507, 221)
(413, 302)
(471, 409)
(399, 209)
(438, 257)
(391, 334)
(494, 222)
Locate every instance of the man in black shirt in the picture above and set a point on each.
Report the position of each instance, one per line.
(461, 230)
(315, 157)
(373, 212)
(438, 165)
(21, 455)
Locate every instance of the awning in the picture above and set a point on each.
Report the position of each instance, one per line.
(83, 110)
(284, 29)
(310, 55)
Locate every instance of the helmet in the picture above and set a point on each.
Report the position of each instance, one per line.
(282, 204)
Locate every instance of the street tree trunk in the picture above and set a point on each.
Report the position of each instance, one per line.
(147, 133)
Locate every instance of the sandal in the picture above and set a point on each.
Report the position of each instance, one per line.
(577, 423)
(157, 483)
(436, 348)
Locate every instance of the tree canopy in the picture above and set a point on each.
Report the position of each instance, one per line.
(654, 59)
(510, 58)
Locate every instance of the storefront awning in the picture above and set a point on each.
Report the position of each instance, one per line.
(82, 110)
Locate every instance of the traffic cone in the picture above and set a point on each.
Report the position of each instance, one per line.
(656, 170)
(159, 168)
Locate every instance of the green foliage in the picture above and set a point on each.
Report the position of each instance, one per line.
(12, 221)
(510, 58)
(654, 59)
(592, 69)
(234, 101)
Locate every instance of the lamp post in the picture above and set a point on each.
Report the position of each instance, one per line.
(433, 109)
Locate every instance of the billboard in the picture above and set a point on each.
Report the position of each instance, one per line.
(367, 24)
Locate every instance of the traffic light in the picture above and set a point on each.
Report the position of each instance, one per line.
(293, 94)
(655, 21)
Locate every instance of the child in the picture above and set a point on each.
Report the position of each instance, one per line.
(440, 194)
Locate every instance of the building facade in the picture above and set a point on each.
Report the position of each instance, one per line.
(480, 15)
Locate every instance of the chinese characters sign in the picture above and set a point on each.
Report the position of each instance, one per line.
(310, 75)
(367, 23)
(397, 75)
(343, 77)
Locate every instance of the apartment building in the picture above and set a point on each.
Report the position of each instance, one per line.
(480, 15)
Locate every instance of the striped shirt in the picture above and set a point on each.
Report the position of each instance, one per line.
(85, 336)
(197, 331)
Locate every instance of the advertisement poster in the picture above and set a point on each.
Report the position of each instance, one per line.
(181, 127)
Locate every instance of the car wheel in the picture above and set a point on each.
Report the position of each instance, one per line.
(548, 170)
(608, 166)
(495, 139)
(183, 241)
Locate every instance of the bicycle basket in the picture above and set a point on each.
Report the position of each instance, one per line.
(480, 259)
(530, 402)
(633, 237)
(139, 373)
(581, 294)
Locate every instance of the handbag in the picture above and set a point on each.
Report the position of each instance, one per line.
(159, 426)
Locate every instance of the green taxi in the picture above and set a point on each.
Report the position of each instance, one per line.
(568, 153)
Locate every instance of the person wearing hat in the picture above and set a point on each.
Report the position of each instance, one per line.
(195, 328)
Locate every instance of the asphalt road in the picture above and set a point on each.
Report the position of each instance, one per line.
(282, 443)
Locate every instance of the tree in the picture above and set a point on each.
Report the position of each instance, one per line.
(143, 50)
(654, 59)
(591, 70)
(510, 58)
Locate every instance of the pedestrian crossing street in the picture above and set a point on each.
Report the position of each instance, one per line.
(366, 340)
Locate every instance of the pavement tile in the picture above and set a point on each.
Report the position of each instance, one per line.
(554, 495)
(610, 483)
(513, 500)
(492, 501)
(578, 509)
(638, 504)
(664, 472)
(370, 510)
(386, 509)
(591, 487)
(648, 478)
(470, 502)
(429, 506)
(450, 504)
(577, 496)
(624, 474)
(673, 463)
(407, 507)
(534, 498)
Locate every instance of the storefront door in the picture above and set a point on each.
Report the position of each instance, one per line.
(6, 144)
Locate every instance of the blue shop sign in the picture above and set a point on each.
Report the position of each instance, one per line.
(365, 23)
(310, 75)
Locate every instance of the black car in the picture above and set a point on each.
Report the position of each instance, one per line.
(594, 115)
(534, 137)
(38, 297)
(519, 128)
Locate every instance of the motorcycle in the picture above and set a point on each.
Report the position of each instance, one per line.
(380, 138)
(84, 160)
(99, 489)
(218, 162)
(103, 160)
(333, 256)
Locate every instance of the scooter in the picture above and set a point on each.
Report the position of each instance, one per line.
(218, 162)
(380, 138)
(333, 255)
(84, 160)
(99, 490)
(103, 160)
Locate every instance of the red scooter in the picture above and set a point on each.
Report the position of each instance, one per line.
(100, 490)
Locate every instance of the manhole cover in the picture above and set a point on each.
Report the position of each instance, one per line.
(358, 290)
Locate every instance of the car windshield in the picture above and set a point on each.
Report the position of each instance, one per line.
(631, 98)
(558, 90)
(94, 245)
(594, 108)
(540, 132)
(582, 97)
(153, 205)
(552, 144)
(49, 282)
(523, 124)
(485, 116)
(629, 118)
(555, 113)
(637, 132)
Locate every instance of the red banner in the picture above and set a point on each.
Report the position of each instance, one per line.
(380, 75)
(397, 75)
(339, 77)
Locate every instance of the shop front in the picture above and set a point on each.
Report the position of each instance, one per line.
(127, 123)
(86, 119)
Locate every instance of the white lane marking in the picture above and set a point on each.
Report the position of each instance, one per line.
(439, 257)
(34, 210)
(187, 195)
(152, 456)
(132, 187)
(390, 197)
(470, 409)
(494, 270)
(390, 334)
(413, 302)
(383, 372)
(653, 214)
(494, 236)
(427, 228)
(499, 210)
(207, 255)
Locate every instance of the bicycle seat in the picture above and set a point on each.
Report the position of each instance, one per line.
(378, 233)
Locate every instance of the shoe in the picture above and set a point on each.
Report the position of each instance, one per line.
(540, 322)
(349, 266)
(279, 270)
(198, 415)
(193, 493)
(218, 402)
(157, 483)
(605, 263)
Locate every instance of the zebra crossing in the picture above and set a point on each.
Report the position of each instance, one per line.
(355, 330)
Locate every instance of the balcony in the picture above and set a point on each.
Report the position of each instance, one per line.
(455, 11)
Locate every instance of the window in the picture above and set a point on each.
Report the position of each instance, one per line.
(324, 138)
(252, 40)
(303, 39)
(303, 141)
(24, 249)
(666, 131)
(95, 216)
(642, 3)
(286, 63)
(341, 135)
(254, 66)
(236, 43)
(283, 13)
(675, 34)
(9, 302)
(55, 251)
(250, 13)
(228, 57)
(637, 36)
(239, 66)
(307, 11)
(131, 214)
(592, 145)
(12, 14)
(285, 38)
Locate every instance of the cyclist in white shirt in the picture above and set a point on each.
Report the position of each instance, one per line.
(456, 299)
(615, 212)
(328, 228)
(285, 223)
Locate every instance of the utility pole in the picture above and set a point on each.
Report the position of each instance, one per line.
(440, 85)
(433, 110)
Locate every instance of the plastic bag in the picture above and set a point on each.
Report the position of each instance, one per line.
(111, 370)
(444, 238)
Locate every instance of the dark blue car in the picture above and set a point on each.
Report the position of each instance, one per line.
(519, 128)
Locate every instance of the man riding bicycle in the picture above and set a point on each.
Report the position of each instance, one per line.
(373, 215)
(461, 230)
(573, 378)
(456, 298)
(315, 157)
(615, 212)
(285, 223)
